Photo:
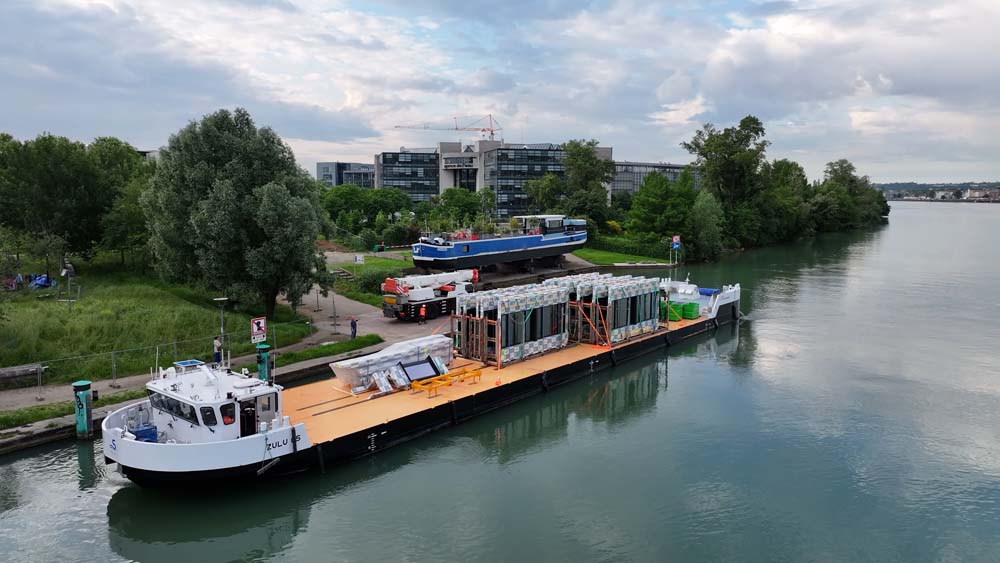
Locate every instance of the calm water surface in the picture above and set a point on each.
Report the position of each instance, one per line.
(854, 418)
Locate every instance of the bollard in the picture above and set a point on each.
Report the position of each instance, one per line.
(263, 363)
(83, 402)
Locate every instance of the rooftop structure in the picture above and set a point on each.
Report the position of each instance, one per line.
(340, 173)
(629, 176)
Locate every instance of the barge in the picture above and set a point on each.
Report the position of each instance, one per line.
(537, 238)
(204, 424)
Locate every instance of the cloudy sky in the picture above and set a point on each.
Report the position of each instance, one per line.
(907, 89)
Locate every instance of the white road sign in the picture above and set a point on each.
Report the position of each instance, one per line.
(258, 330)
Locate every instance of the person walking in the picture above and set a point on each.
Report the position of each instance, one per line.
(354, 328)
(217, 350)
(423, 314)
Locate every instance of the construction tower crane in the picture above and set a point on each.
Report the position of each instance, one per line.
(490, 126)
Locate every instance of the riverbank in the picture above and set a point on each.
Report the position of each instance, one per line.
(122, 323)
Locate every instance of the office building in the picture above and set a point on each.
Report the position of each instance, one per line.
(415, 171)
(629, 176)
(340, 173)
(504, 168)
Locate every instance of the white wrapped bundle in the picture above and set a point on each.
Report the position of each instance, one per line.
(358, 371)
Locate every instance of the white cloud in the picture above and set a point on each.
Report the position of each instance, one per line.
(888, 83)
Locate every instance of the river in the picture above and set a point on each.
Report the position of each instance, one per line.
(852, 418)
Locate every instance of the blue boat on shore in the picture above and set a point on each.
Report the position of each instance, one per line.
(536, 238)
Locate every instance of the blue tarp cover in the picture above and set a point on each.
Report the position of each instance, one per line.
(708, 291)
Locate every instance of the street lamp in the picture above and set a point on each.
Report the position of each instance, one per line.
(222, 316)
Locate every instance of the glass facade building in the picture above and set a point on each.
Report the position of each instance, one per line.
(416, 173)
(339, 173)
(630, 175)
(509, 168)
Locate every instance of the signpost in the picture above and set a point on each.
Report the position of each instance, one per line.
(675, 247)
(358, 259)
(258, 330)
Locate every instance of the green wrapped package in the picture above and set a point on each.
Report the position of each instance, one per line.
(674, 311)
(690, 311)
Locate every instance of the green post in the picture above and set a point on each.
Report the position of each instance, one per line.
(83, 406)
(263, 363)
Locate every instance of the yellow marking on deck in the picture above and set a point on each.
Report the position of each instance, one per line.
(329, 414)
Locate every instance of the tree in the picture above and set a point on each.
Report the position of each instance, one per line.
(621, 203)
(48, 248)
(585, 169)
(661, 207)
(229, 208)
(459, 203)
(50, 185)
(706, 221)
(730, 163)
(345, 197)
(546, 192)
(125, 224)
(487, 202)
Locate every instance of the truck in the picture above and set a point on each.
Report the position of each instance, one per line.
(403, 297)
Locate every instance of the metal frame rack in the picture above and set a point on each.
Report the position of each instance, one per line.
(505, 325)
(607, 309)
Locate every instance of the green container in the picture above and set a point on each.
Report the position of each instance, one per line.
(674, 311)
(663, 310)
(690, 311)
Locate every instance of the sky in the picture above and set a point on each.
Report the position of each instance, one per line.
(908, 90)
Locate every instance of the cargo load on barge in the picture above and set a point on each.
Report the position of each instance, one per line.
(205, 423)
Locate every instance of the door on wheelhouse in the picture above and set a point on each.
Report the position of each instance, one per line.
(248, 418)
(267, 407)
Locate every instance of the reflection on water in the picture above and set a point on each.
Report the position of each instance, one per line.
(853, 419)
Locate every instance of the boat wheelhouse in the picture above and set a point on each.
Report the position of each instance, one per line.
(532, 238)
(201, 420)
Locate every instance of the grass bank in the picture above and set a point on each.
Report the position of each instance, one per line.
(607, 257)
(129, 312)
(376, 263)
(366, 284)
(27, 415)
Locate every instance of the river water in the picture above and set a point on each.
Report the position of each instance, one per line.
(853, 418)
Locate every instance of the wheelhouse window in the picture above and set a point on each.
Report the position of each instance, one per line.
(228, 412)
(173, 407)
(208, 416)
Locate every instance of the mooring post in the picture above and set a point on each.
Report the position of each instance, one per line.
(263, 365)
(83, 407)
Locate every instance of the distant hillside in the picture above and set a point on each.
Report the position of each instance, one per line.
(917, 187)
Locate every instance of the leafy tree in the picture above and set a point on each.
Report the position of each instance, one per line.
(546, 192)
(386, 200)
(706, 227)
(51, 186)
(125, 224)
(487, 202)
(585, 170)
(229, 207)
(591, 202)
(48, 248)
(346, 197)
(661, 207)
(621, 203)
(730, 160)
(459, 203)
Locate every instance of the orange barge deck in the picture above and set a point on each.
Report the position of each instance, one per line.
(331, 414)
